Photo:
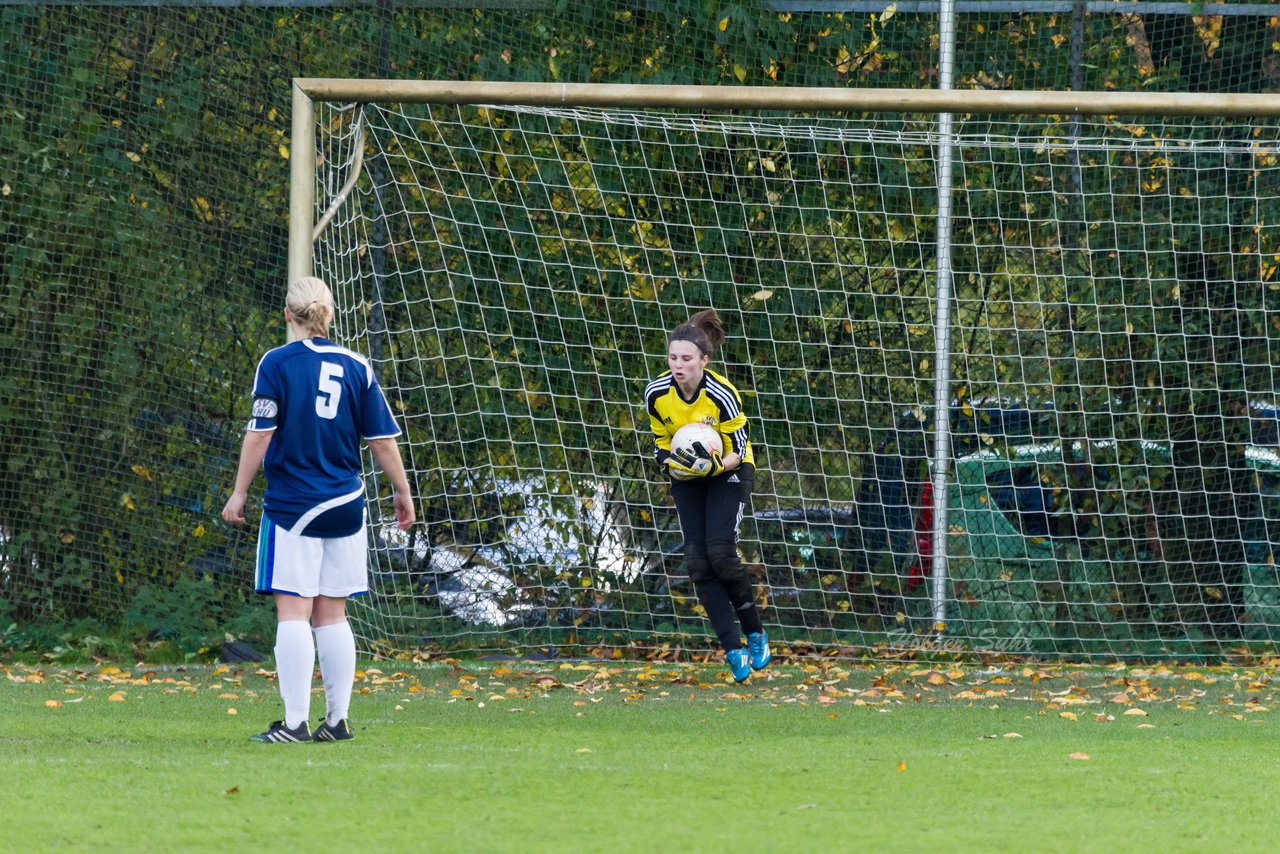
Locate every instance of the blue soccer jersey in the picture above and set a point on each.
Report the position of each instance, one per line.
(322, 401)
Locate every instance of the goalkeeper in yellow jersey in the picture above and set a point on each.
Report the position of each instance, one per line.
(712, 491)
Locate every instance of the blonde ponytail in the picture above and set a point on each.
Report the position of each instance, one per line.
(311, 303)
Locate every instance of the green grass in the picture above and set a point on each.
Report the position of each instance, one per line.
(643, 757)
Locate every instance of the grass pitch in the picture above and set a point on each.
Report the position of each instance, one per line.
(625, 756)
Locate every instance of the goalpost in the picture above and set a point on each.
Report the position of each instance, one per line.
(1098, 356)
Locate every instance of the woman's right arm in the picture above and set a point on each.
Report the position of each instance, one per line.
(251, 455)
(661, 435)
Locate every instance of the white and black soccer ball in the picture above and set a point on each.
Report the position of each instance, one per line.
(688, 436)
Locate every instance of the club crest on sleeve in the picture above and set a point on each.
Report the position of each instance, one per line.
(264, 407)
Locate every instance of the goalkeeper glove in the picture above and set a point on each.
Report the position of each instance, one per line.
(711, 457)
(684, 465)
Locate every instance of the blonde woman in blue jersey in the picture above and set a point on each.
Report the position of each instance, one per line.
(314, 403)
(712, 490)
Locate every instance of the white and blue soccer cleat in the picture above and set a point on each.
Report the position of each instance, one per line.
(739, 666)
(341, 731)
(758, 648)
(279, 733)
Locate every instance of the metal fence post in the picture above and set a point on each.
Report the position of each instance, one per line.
(942, 321)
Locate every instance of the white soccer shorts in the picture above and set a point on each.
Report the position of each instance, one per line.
(311, 566)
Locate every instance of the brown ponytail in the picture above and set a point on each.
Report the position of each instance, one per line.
(704, 330)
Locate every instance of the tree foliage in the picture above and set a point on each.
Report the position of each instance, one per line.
(142, 230)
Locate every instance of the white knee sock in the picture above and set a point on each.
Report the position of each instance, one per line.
(295, 660)
(336, 646)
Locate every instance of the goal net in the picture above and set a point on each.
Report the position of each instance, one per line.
(1106, 350)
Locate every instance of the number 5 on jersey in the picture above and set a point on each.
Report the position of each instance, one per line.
(330, 390)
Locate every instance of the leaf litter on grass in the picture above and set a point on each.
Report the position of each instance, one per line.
(1068, 692)
(871, 736)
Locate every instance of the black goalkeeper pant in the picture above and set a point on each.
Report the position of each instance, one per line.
(711, 513)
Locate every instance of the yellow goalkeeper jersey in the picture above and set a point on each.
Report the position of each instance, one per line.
(717, 404)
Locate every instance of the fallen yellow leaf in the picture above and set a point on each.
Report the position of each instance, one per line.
(1083, 756)
(52, 704)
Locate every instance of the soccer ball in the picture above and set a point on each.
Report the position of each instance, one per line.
(688, 435)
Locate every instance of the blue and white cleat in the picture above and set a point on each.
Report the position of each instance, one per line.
(279, 733)
(341, 731)
(758, 648)
(739, 666)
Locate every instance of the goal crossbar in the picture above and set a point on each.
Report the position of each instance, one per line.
(831, 99)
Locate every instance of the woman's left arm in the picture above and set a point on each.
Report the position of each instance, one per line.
(734, 441)
(386, 452)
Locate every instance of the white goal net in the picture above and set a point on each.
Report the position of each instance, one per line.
(1112, 467)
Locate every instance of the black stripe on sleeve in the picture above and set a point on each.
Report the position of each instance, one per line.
(653, 392)
(724, 398)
